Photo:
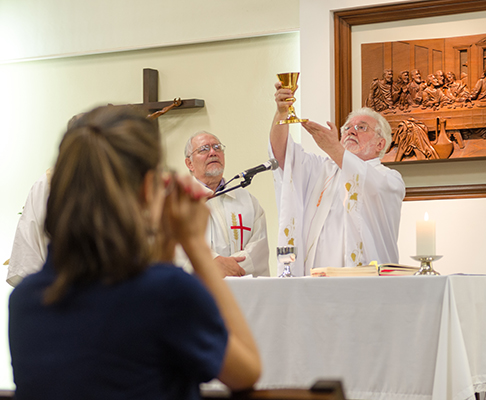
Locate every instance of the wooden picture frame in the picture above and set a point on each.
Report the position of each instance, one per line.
(445, 192)
(346, 19)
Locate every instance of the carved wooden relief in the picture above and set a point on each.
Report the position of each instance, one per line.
(433, 93)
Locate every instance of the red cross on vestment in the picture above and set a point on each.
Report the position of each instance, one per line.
(241, 228)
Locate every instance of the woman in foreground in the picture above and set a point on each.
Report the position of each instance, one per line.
(109, 317)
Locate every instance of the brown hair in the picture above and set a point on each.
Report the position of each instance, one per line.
(94, 216)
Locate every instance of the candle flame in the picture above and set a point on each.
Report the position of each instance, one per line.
(426, 216)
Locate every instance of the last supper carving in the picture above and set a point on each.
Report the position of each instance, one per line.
(433, 94)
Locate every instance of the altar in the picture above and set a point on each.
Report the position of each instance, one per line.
(385, 338)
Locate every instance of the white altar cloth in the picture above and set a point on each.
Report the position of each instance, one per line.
(385, 338)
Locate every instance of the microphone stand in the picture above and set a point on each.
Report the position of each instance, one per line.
(242, 184)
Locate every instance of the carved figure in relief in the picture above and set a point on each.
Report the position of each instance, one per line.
(157, 114)
(457, 90)
(479, 91)
(380, 97)
(433, 96)
(412, 137)
(439, 74)
(400, 92)
(416, 88)
(449, 80)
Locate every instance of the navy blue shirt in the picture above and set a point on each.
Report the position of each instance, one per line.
(156, 336)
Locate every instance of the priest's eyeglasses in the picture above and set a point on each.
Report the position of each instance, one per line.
(357, 127)
(218, 147)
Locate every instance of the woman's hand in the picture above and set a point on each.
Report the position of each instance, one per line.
(184, 216)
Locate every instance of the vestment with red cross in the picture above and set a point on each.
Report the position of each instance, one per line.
(241, 228)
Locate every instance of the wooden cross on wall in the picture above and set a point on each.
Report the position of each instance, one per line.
(151, 95)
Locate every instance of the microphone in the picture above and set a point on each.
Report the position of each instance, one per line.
(248, 176)
(271, 164)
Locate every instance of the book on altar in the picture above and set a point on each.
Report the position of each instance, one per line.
(360, 270)
(396, 270)
(372, 269)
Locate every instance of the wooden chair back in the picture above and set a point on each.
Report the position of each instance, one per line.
(321, 390)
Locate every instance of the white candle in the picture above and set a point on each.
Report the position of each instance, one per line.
(426, 237)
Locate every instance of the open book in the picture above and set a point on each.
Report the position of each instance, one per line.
(366, 270)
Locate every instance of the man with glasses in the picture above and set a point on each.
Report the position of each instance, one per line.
(341, 210)
(237, 229)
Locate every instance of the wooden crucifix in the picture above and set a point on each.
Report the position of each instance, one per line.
(151, 97)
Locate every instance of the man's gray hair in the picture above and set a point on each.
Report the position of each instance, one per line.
(190, 148)
(382, 129)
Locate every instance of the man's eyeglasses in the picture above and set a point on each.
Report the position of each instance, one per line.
(218, 147)
(358, 127)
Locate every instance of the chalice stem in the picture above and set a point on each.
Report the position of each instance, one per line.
(291, 112)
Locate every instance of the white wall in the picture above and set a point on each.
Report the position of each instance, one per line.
(33, 29)
(460, 234)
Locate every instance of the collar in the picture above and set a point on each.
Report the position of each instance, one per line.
(221, 184)
(231, 194)
(373, 161)
(206, 186)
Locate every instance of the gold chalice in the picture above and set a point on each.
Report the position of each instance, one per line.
(289, 81)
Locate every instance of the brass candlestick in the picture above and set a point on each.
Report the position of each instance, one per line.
(289, 81)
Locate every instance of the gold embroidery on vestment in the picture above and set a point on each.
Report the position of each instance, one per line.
(289, 232)
(233, 220)
(357, 253)
(352, 188)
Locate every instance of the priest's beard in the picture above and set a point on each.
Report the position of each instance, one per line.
(214, 172)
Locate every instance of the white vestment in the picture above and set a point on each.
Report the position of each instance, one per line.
(236, 227)
(29, 249)
(337, 217)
